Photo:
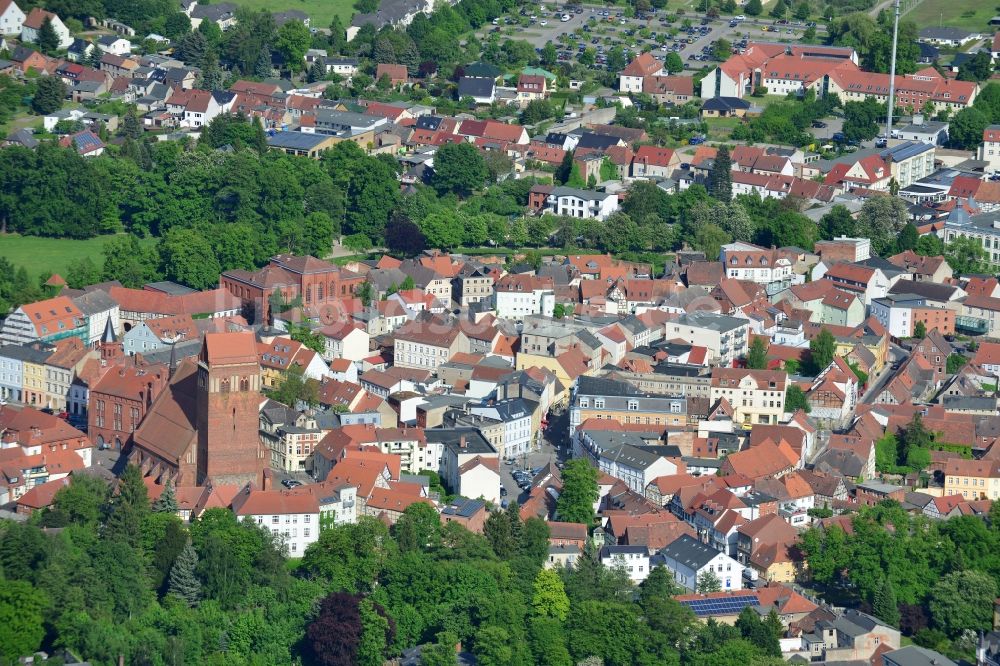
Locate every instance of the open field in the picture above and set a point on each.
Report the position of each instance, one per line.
(968, 14)
(40, 255)
(321, 12)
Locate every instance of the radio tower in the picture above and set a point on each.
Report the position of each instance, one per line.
(892, 74)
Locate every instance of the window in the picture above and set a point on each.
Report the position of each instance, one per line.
(633, 405)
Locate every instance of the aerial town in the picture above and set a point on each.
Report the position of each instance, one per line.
(499, 333)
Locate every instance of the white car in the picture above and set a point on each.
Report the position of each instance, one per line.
(543, 23)
(740, 18)
(565, 18)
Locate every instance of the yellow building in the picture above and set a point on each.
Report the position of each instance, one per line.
(972, 479)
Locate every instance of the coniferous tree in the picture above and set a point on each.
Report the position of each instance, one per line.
(885, 606)
(93, 57)
(131, 127)
(316, 72)
(167, 501)
(128, 508)
(183, 581)
(720, 179)
(48, 39)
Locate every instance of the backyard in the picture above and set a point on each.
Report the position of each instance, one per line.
(51, 255)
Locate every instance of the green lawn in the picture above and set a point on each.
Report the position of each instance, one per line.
(968, 14)
(40, 255)
(321, 12)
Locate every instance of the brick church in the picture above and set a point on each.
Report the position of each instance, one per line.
(204, 426)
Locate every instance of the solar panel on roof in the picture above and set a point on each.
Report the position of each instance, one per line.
(721, 605)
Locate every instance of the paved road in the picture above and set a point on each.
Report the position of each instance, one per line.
(552, 449)
(876, 384)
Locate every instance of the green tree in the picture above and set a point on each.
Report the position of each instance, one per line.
(955, 363)
(498, 532)
(493, 646)
(311, 339)
(188, 258)
(443, 229)
(82, 272)
(709, 238)
(673, 63)
(575, 178)
(459, 168)
(708, 582)
(295, 388)
(549, 595)
(882, 219)
(441, 652)
(757, 354)
(293, 41)
(966, 256)
(963, 600)
(48, 39)
(548, 642)
(720, 183)
(884, 605)
(50, 92)
(795, 400)
(579, 493)
(754, 8)
(929, 245)
(722, 49)
(377, 633)
(919, 330)
(977, 68)
(966, 128)
(907, 238)
(128, 508)
(22, 616)
(821, 350)
(184, 582)
(838, 222)
(131, 125)
(167, 501)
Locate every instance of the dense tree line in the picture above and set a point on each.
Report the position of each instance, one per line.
(935, 580)
(122, 577)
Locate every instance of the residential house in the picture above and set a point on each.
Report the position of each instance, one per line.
(44, 321)
(725, 338)
(291, 516)
(573, 202)
(32, 24)
(972, 479)
(633, 560)
(11, 18)
(630, 79)
(518, 295)
(608, 399)
(690, 561)
(427, 342)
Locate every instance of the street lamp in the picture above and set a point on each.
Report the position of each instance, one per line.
(892, 74)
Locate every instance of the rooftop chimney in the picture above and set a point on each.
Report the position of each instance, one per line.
(461, 442)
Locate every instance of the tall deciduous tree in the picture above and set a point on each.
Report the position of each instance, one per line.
(966, 255)
(821, 350)
(332, 639)
(757, 354)
(459, 168)
(549, 595)
(292, 42)
(882, 219)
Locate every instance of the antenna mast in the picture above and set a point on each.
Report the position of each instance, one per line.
(892, 74)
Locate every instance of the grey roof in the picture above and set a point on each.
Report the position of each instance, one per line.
(463, 507)
(32, 354)
(611, 551)
(635, 457)
(94, 302)
(913, 655)
(296, 140)
(22, 137)
(929, 290)
(725, 104)
(109, 336)
(587, 385)
(944, 33)
(906, 150)
(475, 86)
(981, 403)
(689, 551)
(587, 195)
(590, 140)
(451, 439)
(214, 12)
(712, 321)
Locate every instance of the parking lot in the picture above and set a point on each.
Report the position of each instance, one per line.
(552, 449)
(574, 29)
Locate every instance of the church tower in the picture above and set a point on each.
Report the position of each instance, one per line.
(111, 349)
(228, 400)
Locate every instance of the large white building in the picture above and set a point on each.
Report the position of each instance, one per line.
(293, 516)
(745, 261)
(517, 296)
(689, 560)
(573, 202)
(515, 414)
(725, 338)
(634, 560)
(11, 18)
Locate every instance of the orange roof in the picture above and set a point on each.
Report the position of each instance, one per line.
(273, 502)
(52, 316)
(654, 155)
(229, 348)
(644, 64)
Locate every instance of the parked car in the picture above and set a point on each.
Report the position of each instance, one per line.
(291, 483)
(695, 140)
(819, 124)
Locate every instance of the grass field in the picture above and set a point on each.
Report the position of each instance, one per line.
(968, 14)
(321, 12)
(52, 255)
